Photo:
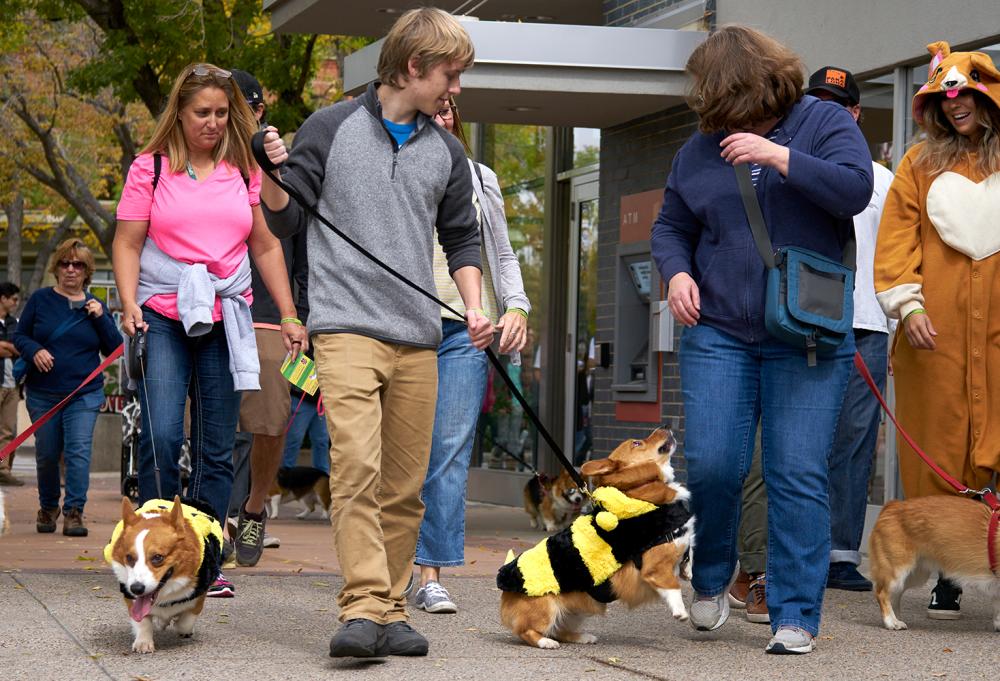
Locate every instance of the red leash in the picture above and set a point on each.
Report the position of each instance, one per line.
(51, 412)
(988, 496)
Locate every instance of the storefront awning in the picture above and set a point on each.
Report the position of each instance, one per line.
(558, 74)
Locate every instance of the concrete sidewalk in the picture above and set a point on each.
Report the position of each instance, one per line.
(61, 617)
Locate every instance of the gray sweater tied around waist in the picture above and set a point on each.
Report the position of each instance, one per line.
(196, 290)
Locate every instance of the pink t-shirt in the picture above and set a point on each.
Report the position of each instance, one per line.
(205, 221)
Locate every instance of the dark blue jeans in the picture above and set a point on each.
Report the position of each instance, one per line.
(69, 433)
(179, 367)
(854, 450)
(307, 420)
(727, 384)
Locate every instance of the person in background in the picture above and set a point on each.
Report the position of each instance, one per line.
(857, 428)
(10, 300)
(385, 175)
(263, 414)
(62, 333)
(936, 260)
(181, 262)
(307, 421)
(462, 374)
(812, 171)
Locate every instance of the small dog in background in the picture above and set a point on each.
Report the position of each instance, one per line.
(4, 523)
(916, 538)
(305, 484)
(552, 504)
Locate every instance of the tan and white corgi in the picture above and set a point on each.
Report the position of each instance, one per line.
(165, 556)
(633, 548)
(305, 484)
(916, 538)
(552, 504)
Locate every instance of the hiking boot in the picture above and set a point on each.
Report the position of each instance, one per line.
(359, 638)
(946, 598)
(46, 520)
(73, 523)
(845, 576)
(757, 600)
(433, 597)
(7, 479)
(791, 641)
(738, 591)
(709, 612)
(402, 639)
(221, 588)
(249, 540)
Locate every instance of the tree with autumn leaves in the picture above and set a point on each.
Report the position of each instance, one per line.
(82, 81)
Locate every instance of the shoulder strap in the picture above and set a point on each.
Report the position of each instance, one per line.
(157, 167)
(480, 191)
(65, 326)
(752, 207)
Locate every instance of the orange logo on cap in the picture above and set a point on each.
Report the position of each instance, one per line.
(835, 77)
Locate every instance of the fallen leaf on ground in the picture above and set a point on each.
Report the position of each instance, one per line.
(321, 584)
(948, 650)
(96, 656)
(472, 629)
(826, 638)
(614, 660)
(87, 558)
(938, 675)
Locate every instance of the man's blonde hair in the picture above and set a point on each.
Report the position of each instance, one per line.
(429, 35)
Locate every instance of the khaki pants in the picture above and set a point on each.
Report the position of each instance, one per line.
(8, 423)
(379, 400)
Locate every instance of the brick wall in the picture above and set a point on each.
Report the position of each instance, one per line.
(635, 157)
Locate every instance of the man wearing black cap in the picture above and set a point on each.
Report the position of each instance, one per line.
(857, 430)
(264, 414)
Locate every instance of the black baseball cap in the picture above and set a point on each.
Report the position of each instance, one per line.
(837, 81)
(250, 87)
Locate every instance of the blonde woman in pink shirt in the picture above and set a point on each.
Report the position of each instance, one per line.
(188, 214)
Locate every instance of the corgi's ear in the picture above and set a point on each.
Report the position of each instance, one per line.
(599, 467)
(985, 65)
(177, 515)
(128, 513)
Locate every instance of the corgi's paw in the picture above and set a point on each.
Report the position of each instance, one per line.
(675, 601)
(547, 643)
(893, 623)
(143, 644)
(184, 625)
(550, 527)
(586, 638)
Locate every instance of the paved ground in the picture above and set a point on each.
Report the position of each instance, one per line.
(61, 618)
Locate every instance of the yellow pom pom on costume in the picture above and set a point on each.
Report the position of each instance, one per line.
(607, 521)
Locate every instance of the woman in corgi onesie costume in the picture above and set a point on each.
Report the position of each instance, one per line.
(937, 268)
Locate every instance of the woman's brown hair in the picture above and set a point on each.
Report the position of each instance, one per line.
(741, 78)
(73, 249)
(456, 126)
(944, 147)
(234, 144)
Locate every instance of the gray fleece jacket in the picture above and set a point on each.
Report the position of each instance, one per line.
(388, 198)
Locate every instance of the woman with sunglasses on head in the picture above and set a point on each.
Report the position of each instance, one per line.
(462, 379)
(61, 335)
(183, 274)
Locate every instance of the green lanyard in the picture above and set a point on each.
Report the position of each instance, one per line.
(190, 172)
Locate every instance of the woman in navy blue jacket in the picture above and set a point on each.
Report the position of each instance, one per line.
(62, 333)
(812, 171)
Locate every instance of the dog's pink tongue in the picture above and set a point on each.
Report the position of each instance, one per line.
(141, 606)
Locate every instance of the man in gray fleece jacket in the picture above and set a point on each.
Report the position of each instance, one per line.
(379, 169)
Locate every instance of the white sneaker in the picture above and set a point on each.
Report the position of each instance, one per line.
(709, 612)
(791, 641)
(271, 542)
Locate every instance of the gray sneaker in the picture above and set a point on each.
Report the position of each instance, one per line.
(709, 612)
(270, 541)
(791, 641)
(249, 539)
(433, 597)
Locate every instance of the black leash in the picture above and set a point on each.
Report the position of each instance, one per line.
(257, 146)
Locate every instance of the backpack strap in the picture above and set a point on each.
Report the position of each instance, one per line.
(157, 167)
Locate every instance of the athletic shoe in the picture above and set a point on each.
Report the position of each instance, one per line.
(709, 612)
(249, 540)
(221, 588)
(270, 541)
(845, 576)
(433, 597)
(946, 600)
(359, 638)
(402, 639)
(791, 641)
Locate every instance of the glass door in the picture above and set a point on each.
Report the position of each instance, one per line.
(581, 315)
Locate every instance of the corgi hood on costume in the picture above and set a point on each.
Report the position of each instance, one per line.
(951, 72)
(585, 555)
(205, 526)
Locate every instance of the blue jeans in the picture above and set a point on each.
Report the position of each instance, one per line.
(461, 387)
(854, 450)
(178, 367)
(307, 420)
(69, 433)
(727, 384)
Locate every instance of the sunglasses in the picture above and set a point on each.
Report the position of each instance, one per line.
(202, 70)
(72, 264)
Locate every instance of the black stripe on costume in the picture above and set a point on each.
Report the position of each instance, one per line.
(567, 565)
(635, 536)
(509, 578)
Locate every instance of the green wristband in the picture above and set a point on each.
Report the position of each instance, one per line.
(291, 320)
(913, 312)
(518, 310)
